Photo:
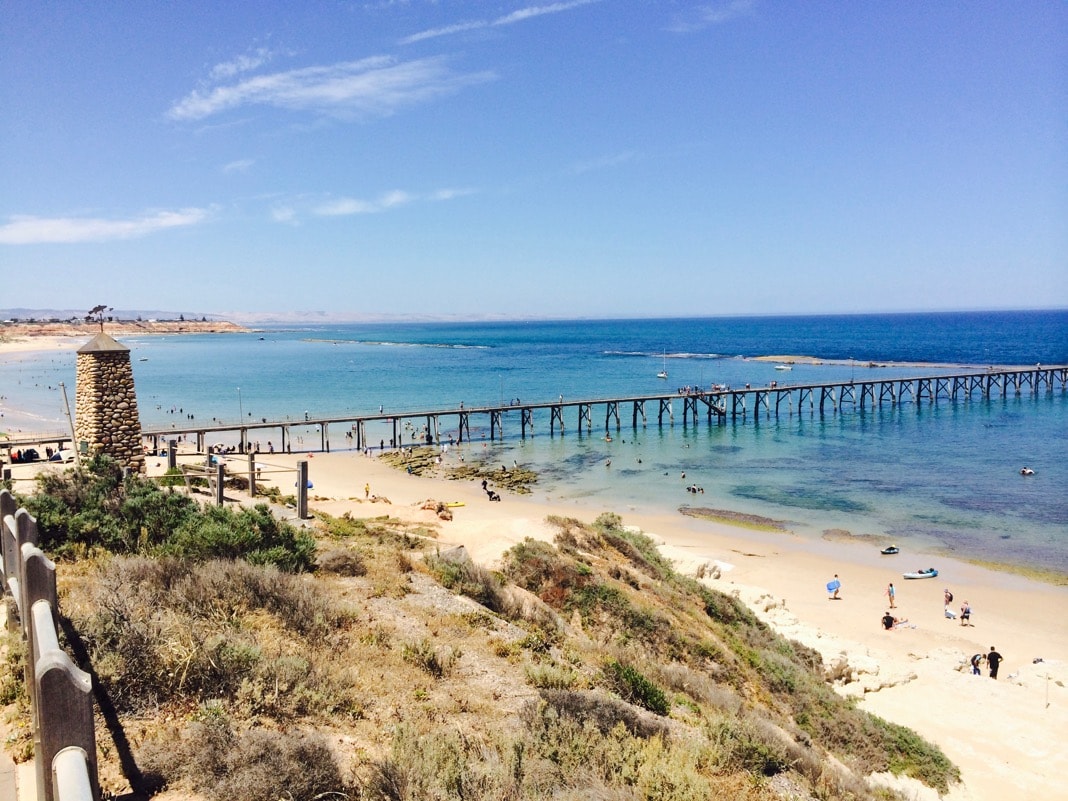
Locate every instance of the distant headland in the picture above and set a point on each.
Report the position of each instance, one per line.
(14, 329)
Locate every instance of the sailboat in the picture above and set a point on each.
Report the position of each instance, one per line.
(663, 373)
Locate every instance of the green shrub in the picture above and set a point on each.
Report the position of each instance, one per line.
(912, 755)
(423, 655)
(159, 631)
(342, 562)
(632, 686)
(455, 571)
(743, 744)
(254, 534)
(172, 478)
(96, 508)
(13, 672)
(551, 676)
(213, 760)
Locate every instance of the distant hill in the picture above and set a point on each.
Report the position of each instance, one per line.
(248, 318)
(21, 314)
(116, 327)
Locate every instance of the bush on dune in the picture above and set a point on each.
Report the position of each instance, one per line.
(99, 509)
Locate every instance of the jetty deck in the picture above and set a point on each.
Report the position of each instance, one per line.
(691, 406)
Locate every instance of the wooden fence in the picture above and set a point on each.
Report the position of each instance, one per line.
(61, 694)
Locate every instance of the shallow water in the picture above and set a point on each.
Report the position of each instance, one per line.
(930, 476)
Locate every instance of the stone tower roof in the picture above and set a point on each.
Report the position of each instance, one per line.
(101, 343)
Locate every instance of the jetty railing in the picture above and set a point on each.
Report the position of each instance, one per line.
(717, 404)
(61, 694)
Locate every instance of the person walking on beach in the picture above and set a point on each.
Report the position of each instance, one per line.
(891, 594)
(834, 586)
(965, 614)
(994, 660)
(367, 490)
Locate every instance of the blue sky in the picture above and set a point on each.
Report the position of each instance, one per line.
(552, 159)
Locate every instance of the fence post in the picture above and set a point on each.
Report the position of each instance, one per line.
(302, 489)
(220, 477)
(38, 583)
(64, 695)
(252, 474)
(25, 532)
(172, 454)
(7, 535)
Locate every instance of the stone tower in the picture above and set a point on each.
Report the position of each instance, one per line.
(106, 403)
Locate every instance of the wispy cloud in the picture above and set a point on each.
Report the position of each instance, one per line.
(246, 63)
(519, 15)
(378, 85)
(347, 206)
(602, 163)
(708, 14)
(241, 165)
(283, 214)
(26, 230)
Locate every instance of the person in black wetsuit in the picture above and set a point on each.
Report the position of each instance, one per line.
(994, 660)
(891, 622)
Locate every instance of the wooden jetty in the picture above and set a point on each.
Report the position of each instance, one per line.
(719, 405)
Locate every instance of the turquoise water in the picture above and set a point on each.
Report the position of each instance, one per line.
(942, 476)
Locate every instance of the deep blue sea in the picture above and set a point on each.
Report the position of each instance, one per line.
(943, 476)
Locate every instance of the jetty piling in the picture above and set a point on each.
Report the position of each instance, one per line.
(720, 405)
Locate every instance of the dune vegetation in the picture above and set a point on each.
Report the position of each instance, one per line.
(239, 657)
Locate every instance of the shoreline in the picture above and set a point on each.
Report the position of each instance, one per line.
(740, 521)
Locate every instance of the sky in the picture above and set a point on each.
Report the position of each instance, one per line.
(581, 158)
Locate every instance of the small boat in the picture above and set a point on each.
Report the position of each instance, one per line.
(663, 373)
(783, 367)
(143, 359)
(929, 572)
(889, 549)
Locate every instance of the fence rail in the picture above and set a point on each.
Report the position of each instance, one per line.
(61, 694)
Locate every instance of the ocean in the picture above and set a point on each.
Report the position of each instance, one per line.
(942, 477)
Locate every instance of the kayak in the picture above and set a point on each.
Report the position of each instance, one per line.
(921, 574)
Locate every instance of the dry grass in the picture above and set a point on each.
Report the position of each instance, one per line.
(400, 672)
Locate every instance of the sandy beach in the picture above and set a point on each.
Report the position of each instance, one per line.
(1005, 735)
(25, 344)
